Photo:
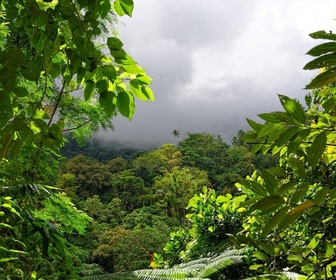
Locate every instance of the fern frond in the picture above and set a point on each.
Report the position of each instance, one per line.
(196, 269)
(164, 274)
(227, 258)
(294, 276)
(112, 276)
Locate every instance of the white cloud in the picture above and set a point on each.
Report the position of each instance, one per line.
(216, 62)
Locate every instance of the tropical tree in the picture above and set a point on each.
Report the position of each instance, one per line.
(292, 207)
(61, 70)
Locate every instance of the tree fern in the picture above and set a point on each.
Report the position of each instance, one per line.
(196, 269)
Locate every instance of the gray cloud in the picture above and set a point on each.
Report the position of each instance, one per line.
(214, 63)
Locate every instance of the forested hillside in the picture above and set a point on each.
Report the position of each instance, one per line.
(137, 201)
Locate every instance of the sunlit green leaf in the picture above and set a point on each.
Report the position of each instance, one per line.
(315, 241)
(293, 108)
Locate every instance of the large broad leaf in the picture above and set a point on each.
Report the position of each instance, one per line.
(271, 183)
(256, 126)
(324, 79)
(293, 108)
(125, 104)
(300, 191)
(321, 196)
(287, 135)
(269, 129)
(289, 219)
(123, 7)
(321, 62)
(270, 117)
(135, 88)
(106, 100)
(268, 203)
(297, 140)
(317, 149)
(315, 241)
(323, 35)
(323, 49)
(114, 44)
(89, 88)
(275, 220)
(255, 187)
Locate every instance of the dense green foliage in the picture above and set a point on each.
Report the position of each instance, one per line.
(62, 69)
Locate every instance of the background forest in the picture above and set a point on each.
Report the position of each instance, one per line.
(136, 200)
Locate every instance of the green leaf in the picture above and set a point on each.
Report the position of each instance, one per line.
(289, 219)
(297, 140)
(123, 7)
(321, 62)
(277, 171)
(255, 187)
(7, 259)
(105, 6)
(32, 71)
(287, 135)
(320, 196)
(144, 79)
(148, 93)
(329, 249)
(323, 35)
(114, 44)
(260, 255)
(271, 183)
(110, 72)
(275, 220)
(21, 92)
(89, 89)
(133, 69)
(270, 117)
(293, 108)
(106, 100)
(298, 166)
(269, 129)
(136, 89)
(315, 241)
(256, 126)
(322, 49)
(300, 192)
(324, 79)
(268, 203)
(125, 104)
(102, 85)
(316, 150)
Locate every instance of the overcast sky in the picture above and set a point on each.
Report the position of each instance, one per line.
(216, 62)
